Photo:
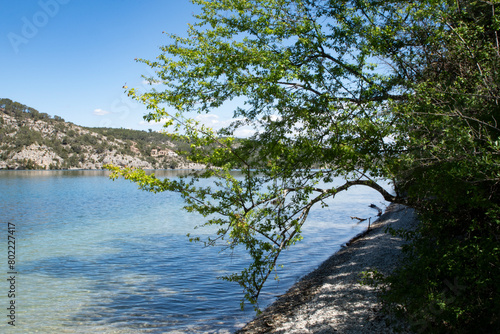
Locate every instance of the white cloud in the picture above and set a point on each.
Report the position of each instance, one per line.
(208, 119)
(100, 112)
(244, 132)
(150, 83)
(274, 118)
(211, 120)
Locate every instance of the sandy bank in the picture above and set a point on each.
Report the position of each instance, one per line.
(330, 299)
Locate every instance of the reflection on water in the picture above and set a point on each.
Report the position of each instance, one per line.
(95, 255)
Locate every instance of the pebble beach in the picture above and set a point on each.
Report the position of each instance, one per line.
(331, 299)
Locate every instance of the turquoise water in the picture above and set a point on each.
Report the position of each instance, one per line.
(95, 255)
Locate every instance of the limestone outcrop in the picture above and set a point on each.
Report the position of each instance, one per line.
(31, 140)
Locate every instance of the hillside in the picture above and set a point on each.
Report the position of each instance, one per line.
(33, 140)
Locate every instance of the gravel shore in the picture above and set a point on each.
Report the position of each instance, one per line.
(331, 299)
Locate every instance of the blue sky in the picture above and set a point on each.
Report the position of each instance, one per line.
(71, 58)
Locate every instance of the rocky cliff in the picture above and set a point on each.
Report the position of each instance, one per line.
(33, 140)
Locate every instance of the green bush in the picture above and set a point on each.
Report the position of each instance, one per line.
(450, 279)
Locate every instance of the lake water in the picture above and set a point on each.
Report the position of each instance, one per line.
(99, 256)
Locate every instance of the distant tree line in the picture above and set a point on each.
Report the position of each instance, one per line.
(21, 111)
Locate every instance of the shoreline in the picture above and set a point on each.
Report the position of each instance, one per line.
(93, 169)
(330, 298)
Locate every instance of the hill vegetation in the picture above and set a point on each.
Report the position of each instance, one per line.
(30, 139)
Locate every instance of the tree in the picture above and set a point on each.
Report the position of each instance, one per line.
(450, 172)
(310, 94)
(332, 89)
